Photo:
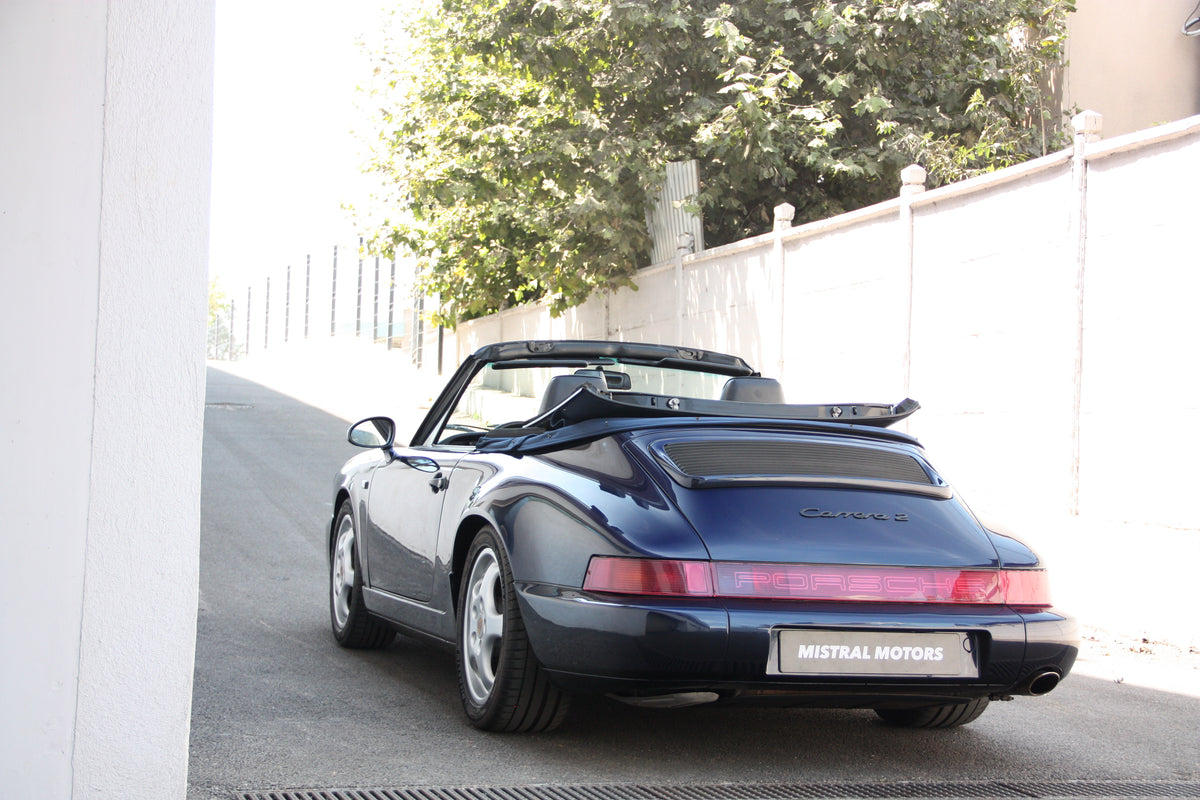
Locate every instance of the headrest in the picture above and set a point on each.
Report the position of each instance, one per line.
(563, 386)
(753, 390)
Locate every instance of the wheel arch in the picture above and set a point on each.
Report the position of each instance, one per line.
(341, 497)
(467, 530)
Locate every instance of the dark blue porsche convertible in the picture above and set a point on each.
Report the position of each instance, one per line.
(657, 524)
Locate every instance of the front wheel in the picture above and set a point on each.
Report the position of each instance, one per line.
(947, 716)
(503, 687)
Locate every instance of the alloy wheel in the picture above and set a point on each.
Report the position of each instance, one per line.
(342, 575)
(483, 626)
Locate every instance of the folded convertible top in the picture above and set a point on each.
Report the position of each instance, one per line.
(588, 414)
(587, 403)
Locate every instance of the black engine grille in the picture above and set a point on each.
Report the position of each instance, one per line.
(740, 458)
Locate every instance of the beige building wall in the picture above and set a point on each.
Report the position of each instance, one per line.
(1129, 60)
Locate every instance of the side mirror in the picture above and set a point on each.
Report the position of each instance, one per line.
(373, 432)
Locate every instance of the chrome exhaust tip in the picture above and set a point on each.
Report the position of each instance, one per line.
(1040, 683)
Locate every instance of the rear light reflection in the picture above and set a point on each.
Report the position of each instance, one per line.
(659, 578)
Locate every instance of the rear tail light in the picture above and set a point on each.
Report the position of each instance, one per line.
(665, 578)
(646, 576)
(1027, 587)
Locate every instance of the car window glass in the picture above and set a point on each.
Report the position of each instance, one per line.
(499, 396)
(494, 397)
(674, 382)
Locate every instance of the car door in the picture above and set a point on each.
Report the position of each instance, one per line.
(404, 509)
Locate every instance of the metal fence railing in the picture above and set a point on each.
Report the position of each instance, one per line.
(349, 293)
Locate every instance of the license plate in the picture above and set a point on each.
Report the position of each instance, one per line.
(875, 653)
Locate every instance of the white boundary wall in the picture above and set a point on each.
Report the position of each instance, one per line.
(1043, 317)
(104, 192)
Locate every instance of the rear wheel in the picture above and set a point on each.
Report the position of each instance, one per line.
(503, 687)
(353, 626)
(947, 716)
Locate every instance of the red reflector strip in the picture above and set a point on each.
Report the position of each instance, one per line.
(872, 584)
(665, 578)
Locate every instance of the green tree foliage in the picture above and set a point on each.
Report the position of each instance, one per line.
(520, 140)
(219, 335)
(218, 302)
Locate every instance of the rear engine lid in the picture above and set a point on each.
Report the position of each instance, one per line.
(754, 459)
(814, 499)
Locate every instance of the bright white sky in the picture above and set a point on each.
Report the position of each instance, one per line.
(284, 158)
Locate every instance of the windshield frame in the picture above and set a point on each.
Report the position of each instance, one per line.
(578, 353)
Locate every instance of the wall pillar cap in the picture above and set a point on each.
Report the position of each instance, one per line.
(1089, 124)
(912, 180)
(784, 214)
(913, 173)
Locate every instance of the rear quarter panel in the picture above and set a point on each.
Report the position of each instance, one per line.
(555, 511)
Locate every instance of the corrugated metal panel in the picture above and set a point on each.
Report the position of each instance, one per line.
(667, 221)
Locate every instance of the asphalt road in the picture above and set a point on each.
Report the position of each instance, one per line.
(277, 704)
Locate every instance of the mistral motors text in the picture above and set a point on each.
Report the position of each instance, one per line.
(829, 652)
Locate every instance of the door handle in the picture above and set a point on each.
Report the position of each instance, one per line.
(438, 482)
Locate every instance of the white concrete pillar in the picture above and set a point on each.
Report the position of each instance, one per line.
(685, 244)
(1087, 126)
(912, 184)
(784, 214)
(104, 248)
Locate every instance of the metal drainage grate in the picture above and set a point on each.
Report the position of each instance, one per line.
(767, 791)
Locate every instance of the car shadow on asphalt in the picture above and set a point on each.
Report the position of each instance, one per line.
(1088, 729)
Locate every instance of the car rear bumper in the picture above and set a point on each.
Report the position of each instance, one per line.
(592, 643)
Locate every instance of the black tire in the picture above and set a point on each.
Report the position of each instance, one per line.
(947, 716)
(353, 626)
(502, 685)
